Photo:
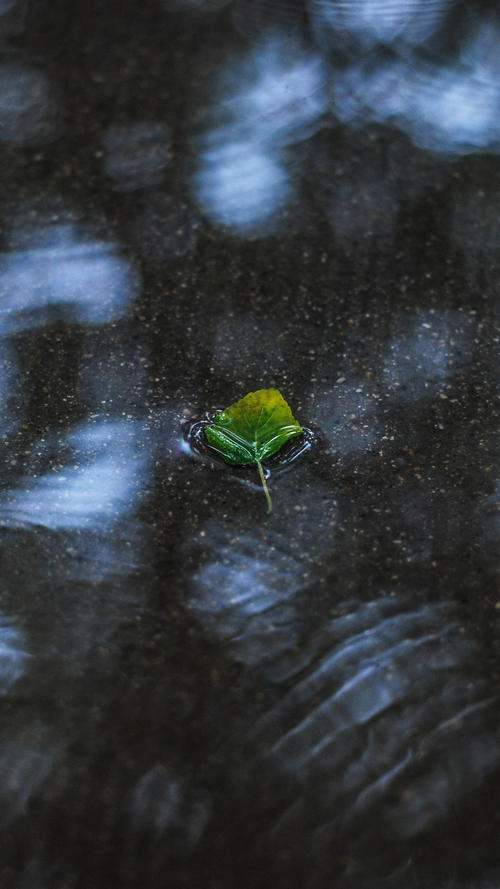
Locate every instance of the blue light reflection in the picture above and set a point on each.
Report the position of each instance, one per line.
(242, 180)
(241, 185)
(101, 483)
(86, 277)
(448, 109)
(13, 654)
(368, 22)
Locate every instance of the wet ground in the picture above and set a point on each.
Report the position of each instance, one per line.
(200, 199)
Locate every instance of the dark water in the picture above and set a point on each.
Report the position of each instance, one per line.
(199, 199)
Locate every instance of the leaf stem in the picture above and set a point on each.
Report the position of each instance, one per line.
(264, 485)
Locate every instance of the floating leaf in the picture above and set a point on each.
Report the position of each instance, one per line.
(252, 429)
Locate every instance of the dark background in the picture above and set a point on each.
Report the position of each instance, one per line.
(200, 199)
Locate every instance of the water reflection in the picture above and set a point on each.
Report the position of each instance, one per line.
(242, 180)
(372, 717)
(26, 763)
(7, 6)
(240, 594)
(136, 154)
(10, 390)
(257, 17)
(165, 808)
(102, 476)
(450, 108)
(385, 722)
(57, 272)
(89, 477)
(425, 358)
(28, 111)
(12, 17)
(246, 592)
(242, 186)
(13, 655)
(281, 93)
(365, 23)
(249, 160)
(83, 277)
(433, 347)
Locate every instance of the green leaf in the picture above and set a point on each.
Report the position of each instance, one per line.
(252, 429)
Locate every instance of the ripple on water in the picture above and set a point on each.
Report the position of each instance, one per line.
(196, 445)
(384, 731)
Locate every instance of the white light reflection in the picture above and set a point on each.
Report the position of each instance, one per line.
(281, 96)
(241, 185)
(452, 109)
(136, 154)
(385, 717)
(242, 181)
(87, 278)
(27, 106)
(367, 22)
(102, 483)
(431, 349)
